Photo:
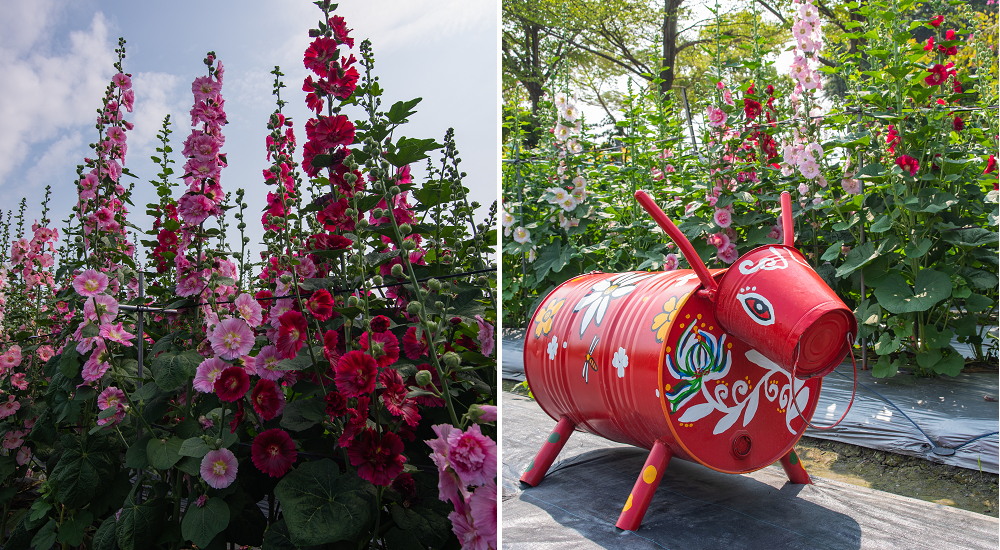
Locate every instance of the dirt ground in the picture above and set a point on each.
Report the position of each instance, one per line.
(902, 475)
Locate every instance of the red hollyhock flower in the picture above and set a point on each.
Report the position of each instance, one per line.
(340, 30)
(991, 165)
(394, 397)
(405, 486)
(930, 44)
(380, 323)
(356, 373)
(908, 164)
(412, 347)
(336, 405)
(938, 75)
(320, 304)
(331, 131)
(769, 89)
(320, 54)
(751, 108)
(377, 457)
(957, 86)
(238, 416)
(268, 399)
(958, 124)
(950, 34)
(390, 347)
(892, 139)
(936, 22)
(427, 400)
(330, 349)
(273, 452)
(232, 384)
(334, 217)
(264, 299)
(950, 50)
(347, 189)
(309, 152)
(291, 334)
(356, 423)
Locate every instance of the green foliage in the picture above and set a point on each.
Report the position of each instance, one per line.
(322, 505)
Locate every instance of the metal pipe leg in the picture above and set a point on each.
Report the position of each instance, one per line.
(793, 468)
(547, 454)
(642, 493)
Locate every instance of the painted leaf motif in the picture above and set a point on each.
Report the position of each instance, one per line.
(728, 420)
(751, 407)
(695, 413)
(802, 400)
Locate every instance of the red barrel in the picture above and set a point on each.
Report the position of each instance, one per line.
(641, 357)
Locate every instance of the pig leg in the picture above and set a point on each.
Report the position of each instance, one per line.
(543, 460)
(793, 468)
(642, 493)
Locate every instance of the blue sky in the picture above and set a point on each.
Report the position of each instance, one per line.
(56, 58)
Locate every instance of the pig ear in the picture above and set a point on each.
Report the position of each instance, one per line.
(668, 226)
(787, 226)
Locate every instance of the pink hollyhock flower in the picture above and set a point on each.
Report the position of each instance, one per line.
(10, 358)
(97, 365)
(355, 374)
(19, 381)
(9, 408)
(320, 304)
(723, 218)
(727, 96)
(90, 283)
(267, 364)
(12, 440)
(273, 452)
(389, 344)
(195, 208)
(116, 333)
(728, 254)
(851, 185)
(716, 116)
(232, 384)
(249, 309)
(670, 262)
(483, 508)
(448, 487)
(486, 341)
(718, 240)
(232, 338)
(411, 346)
(268, 399)
(122, 80)
(218, 468)
(291, 334)
(379, 458)
(279, 308)
(657, 174)
(23, 455)
(472, 455)
(204, 88)
(45, 352)
(908, 164)
(208, 373)
(464, 527)
(111, 397)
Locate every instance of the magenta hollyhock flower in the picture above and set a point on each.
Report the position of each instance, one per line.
(218, 468)
(389, 343)
(232, 338)
(195, 208)
(908, 164)
(483, 508)
(10, 358)
(938, 75)
(267, 364)
(319, 55)
(486, 338)
(394, 397)
(291, 334)
(412, 347)
(728, 254)
(991, 165)
(723, 218)
(670, 262)
(355, 373)
(208, 373)
(273, 452)
(249, 309)
(90, 283)
(232, 384)
(320, 304)
(116, 333)
(472, 455)
(379, 458)
(268, 399)
(357, 420)
(380, 323)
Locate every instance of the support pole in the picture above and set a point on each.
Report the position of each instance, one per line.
(794, 470)
(547, 454)
(642, 493)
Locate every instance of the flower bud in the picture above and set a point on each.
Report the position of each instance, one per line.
(362, 223)
(432, 326)
(378, 213)
(409, 245)
(434, 285)
(286, 279)
(423, 377)
(439, 305)
(405, 229)
(394, 190)
(397, 270)
(352, 301)
(413, 308)
(452, 360)
(350, 212)
(377, 280)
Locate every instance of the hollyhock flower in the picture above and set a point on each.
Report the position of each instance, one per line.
(483, 509)
(122, 80)
(331, 131)
(936, 22)
(851, 185)
(957, 124)
(378, 458)
(727, 96)
(718, 240)
(729, 254)
(486, 341)
(268, 399)
(320, 54)
(657, 174)
(723, 218)
(23, 455)
(232, 338)
(291, 334)
(355, 374)
(405, 486)
(90, 283)
(320, 304)
(12, 440)
(336, 404)
(330, 340)
(751, 108)
(232, 384)
(116, 333)
(991, 165)
(9, 408)
(208, 373)
(464, 527)
(389, 344)
(279, 308)
(394, 397)
(930, 44)
(908, 164)
(938, 75)
(472, 455)
(218, 468)
(670, 262)
(10, 358)
(412, 347)
(249, 309)
(380, 323)
(19, 381)
(267, 364)
(716, 116)
(521, 235)
(357, 421)
(273, 452)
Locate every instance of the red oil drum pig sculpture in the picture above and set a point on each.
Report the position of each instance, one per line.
(719, 367)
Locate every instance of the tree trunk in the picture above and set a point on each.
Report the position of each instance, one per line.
(533, 83)
(670, 8)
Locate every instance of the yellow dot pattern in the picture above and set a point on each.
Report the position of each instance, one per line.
(649, 474)
(628, 504)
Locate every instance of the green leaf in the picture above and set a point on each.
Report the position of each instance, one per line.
(937, 339)
(431, 529)
(408, 150)
(882, 224)
(139, 524)
(886, 367)
(896, 296)
(189, 465)
(322, 506)
(104, 538)
(917, 248)
(553, 258)
(69, 363)
(940, 201)
(927, 359)
(90, 330)
(173, 368)
(975, 236)
(163, 453)
(302, 361)
(980, 279)
(887, 343)
(135, 457)
(977, 303)
(832, 252)
(858, 257)
(45, 537)
(86, 464)
(71, 532)
(400, 110)
(146, 393)
(195, 447)
(303, 414)
(200, 525)
(402, 540)
(951, 364)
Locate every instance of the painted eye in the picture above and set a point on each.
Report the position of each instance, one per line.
(757, 307)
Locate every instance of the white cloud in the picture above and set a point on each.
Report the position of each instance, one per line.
(45, 93)
(156, 96)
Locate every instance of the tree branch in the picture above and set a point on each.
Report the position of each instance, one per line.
(686, 45)
(773, 11)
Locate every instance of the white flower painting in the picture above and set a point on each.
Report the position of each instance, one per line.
(620, 361)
